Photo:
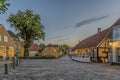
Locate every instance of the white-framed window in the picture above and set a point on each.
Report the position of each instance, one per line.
(0, 38)
(5, 38)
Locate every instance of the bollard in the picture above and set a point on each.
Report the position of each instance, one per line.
(17, 63)
(6, 68)
(13, 64)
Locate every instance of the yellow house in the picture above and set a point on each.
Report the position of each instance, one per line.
(96, 46)
(7, 46)
(51, 50)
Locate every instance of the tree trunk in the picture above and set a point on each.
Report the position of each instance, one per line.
(26, 47)
(26, 52)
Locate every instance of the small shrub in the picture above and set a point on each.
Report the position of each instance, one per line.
(40, 57)
(36, 54)
(48, 57)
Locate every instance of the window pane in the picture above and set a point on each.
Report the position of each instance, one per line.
(5, 39)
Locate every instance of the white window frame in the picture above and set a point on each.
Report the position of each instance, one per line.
(0, 38)
(5, 38)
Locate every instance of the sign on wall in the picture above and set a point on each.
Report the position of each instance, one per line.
(116, 34)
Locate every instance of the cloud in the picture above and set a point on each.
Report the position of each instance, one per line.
(63, 39)
(53, 37)
(88, 21)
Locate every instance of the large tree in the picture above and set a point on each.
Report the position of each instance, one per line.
(4, 6)
(29, 27)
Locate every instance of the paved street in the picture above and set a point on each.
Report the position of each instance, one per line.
(62, 69)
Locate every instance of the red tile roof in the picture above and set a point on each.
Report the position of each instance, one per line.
(33, 47)
(94, 40)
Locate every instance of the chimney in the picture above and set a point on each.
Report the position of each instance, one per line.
(99, 30)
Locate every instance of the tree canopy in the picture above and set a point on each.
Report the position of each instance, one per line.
(64, 48)
(4, 6)
(42, 45)
(28, 25)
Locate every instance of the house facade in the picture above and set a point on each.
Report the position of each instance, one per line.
(96, 47)
(16, 41)
(51, 50)
(103, 46)
(115, 43)
(33, 49)
(7, 46)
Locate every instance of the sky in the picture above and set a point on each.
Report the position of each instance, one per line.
(67, 21)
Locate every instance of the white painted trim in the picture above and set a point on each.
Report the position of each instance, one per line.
(118, 26)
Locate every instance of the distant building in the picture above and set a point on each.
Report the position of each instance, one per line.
(33, 49)
(7, 46)
(51, 50)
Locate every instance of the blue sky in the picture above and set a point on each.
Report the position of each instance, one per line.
(60, 17)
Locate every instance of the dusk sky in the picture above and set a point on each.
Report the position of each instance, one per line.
(68, 21)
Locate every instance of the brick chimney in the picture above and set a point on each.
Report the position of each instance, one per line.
(99, 30)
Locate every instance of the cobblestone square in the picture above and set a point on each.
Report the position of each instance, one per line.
(62, 69)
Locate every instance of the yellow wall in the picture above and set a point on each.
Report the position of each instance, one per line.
(103, 50)
(115, 44)
(22, 51)
(50, 51)
(11, 52)
(83, 52)
(105, 43)
(5, 47)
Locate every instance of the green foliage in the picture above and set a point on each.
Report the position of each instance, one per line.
(4, 6)
(64, 48)
(36, 54)
(42, 45)
(29, 27)
(40, 57)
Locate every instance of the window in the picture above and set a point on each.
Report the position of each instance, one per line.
(116, 34)
(0, 38)
(5, 39)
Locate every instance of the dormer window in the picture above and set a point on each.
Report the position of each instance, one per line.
(5, 38)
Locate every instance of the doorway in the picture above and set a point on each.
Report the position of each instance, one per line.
(118, 54)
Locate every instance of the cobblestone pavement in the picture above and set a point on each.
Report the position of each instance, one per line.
(62, 69)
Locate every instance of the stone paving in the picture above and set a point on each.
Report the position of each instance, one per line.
(62, 69)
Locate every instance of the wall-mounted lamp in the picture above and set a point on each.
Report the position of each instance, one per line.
(110, 43)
